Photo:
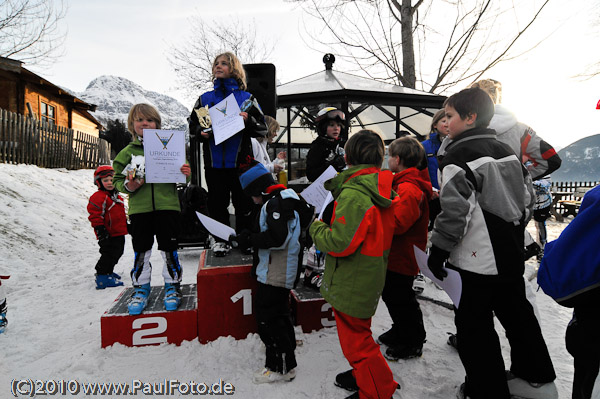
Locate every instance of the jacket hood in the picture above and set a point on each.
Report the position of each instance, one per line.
(229, 84)
(419, 178)
(367, 179)
(503, 119)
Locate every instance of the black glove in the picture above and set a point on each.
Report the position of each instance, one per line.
(437, 258)
(101, 233)
(338, 163)
(243, 239)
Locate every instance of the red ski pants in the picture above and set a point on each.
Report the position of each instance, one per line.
(373, 375)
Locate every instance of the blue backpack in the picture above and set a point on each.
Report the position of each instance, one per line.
(570, 269)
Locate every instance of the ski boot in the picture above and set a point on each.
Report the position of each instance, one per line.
(219, 248)
(106, 280)
(388, 338)
(172, 296)
(266, 376)
(3, 320)
(521, 389)
(115, 275)
(452, 340)
(402, 351)
(419, 284)
(346, 380)
(138, 300)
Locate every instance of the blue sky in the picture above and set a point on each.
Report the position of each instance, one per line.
(131, 39)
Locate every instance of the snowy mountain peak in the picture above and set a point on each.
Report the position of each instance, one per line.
(115, 96)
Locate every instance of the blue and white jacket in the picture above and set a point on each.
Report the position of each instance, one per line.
(278, 244)
(486, 199)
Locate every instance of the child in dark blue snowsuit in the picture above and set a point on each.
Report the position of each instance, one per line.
(224, 161)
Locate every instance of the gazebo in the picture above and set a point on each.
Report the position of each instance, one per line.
(368, 104)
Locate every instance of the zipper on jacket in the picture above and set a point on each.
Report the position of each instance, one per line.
(152, 189)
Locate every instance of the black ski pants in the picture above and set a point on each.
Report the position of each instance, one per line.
(400, 299)
(583, 344)
(275, 327)
(479, 345)
(224, 187)
(111, 250)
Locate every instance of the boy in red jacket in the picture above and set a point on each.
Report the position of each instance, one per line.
(107, 215)
(406, 337)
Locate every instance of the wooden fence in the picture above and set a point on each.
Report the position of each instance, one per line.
(569, 187)
(30, 141)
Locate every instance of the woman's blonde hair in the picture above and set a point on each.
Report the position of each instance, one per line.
(436, 118)
(143, 111)
(492, 87)
(272, 127)
(237, 69)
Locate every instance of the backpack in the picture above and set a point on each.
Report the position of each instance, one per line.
(570, 268)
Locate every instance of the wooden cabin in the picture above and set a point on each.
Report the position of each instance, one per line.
(23, 92)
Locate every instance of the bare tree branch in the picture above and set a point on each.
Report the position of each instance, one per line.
(193, 59)
(444, 45)
(31, 30)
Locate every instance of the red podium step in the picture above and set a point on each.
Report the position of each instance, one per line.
(155, 325)
(225, 289)
(310, 310)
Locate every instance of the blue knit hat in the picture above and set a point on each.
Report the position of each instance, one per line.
(256, 180)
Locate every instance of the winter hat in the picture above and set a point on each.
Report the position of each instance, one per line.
(101, 172)
(256, 180)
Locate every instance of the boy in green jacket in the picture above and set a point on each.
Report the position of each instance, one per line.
(153, 211)
(357, 240)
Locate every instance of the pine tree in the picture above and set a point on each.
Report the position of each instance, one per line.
(117, 135)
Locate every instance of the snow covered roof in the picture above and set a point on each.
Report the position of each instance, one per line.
(330, 85)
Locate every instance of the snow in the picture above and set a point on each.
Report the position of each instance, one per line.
(49, 249)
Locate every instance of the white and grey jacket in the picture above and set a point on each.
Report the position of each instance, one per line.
(525, 143)
(486, 198)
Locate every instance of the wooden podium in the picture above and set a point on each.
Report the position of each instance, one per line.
(155, 325)
(220, 304)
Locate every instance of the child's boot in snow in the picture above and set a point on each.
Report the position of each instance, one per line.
(138, 300)
(106, 280)
(172, 296)
(3, 320)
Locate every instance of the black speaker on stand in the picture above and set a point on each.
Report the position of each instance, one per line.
(261, 84)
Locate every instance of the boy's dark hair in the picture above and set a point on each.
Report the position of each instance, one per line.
(472, 101)
(365, 147)
(410, 152)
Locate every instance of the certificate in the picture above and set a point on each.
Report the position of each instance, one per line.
(452, 283)
(164, 151)
(316, 194)
(226, 119)
(216, 228)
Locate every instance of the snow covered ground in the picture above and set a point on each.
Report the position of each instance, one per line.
(49, 249)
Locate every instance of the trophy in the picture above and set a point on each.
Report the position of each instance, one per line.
(204, 119)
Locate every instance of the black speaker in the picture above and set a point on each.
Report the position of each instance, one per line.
(261, 84)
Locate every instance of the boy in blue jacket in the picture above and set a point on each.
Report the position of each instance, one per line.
(277, 242)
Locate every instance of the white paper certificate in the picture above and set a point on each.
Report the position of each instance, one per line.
(226, 119)
(316, 194)
(452, 284)
(164, 151)
(216, 228)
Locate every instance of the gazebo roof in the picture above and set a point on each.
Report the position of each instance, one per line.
(335, 86)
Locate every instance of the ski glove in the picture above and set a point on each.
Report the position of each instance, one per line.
(243, 239)
(101, 233)
(437, 258)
